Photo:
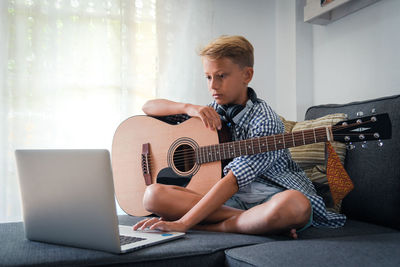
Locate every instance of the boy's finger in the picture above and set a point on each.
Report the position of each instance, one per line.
(157, 226)
(139, 224)
(149, 223)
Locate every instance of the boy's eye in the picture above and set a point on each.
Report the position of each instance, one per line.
(208, 77)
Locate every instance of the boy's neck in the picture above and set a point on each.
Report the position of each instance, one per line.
(243, 100)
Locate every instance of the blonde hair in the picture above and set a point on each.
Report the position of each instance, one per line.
(235, 47)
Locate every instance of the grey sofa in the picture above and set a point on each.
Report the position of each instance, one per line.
(371, 236)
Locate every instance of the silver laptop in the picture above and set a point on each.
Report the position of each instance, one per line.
(68, 199)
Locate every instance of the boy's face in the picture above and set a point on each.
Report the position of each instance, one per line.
(227, 81)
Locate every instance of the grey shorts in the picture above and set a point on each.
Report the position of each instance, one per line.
(237, 202)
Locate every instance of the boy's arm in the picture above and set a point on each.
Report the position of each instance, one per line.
(215, 198)
(164, 107)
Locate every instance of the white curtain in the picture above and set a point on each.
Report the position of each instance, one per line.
(72, 70)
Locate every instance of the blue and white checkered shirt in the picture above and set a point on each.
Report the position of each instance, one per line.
(274, 168)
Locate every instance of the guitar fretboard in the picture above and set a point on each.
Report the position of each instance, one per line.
(258, 145)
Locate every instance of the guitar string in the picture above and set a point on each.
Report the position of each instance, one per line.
(244, 144)
(288, 143)
(180, 157)
(309, 134)
(189, 155)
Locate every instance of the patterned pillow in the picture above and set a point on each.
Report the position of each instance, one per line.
(311, 158)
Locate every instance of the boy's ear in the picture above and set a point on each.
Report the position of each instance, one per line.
(248, 74)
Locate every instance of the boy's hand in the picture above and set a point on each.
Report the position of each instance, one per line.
(207, 114)
(161, 225)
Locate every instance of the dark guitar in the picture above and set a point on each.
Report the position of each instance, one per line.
(146, 150)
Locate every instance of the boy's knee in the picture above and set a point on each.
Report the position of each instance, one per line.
(301, 205)
(295, 204)
(152, 196)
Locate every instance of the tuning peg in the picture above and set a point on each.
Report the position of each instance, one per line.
(380, 143)
(350, 146)
(364, 144)
(360, 114)
(373, 111)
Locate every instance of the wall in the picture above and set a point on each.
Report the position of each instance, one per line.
(357, 57)
(294, 65)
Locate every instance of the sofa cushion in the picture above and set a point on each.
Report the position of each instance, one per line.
(365, 250)
(351, 228)
(197, 248)
(375, 171)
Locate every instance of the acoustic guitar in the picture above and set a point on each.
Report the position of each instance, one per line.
(146, 150)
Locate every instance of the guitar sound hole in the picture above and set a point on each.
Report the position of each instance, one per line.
(184, 158)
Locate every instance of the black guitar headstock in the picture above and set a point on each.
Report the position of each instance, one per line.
(374, 127)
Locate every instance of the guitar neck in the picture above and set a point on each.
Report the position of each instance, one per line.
(262, 144)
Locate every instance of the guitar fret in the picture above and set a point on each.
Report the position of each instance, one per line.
(259, 145)
(275, 142)
(240, 152)
(224, 151)
(252, 147)
(283, 136)
(304, 141)
(215, 152)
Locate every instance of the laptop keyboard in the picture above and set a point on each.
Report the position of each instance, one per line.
(123, 239)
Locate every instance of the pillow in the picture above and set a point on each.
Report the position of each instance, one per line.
(311, 158)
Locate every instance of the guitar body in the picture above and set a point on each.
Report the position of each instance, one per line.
(168, 147)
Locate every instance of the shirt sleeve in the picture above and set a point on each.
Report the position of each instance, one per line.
(247, 168)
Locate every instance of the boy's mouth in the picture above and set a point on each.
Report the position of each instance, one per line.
(217, 96)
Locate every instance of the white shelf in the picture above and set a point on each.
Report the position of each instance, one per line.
(322, 15)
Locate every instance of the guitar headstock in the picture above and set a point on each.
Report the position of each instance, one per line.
(374, 127)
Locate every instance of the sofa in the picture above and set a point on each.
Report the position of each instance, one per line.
(370, 237)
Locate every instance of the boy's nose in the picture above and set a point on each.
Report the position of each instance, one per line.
(215, 84)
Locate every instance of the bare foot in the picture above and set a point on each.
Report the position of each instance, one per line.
(293, 234)
(218, 228)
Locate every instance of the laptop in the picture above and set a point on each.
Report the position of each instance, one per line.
(68, 199)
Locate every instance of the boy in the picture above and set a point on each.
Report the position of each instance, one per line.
(259, 194)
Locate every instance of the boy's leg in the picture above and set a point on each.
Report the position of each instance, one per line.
(172, 202)
(285, 211)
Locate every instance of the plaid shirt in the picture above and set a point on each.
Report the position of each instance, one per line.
(274, 168)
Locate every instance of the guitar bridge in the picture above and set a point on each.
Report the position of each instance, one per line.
(146, 164)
